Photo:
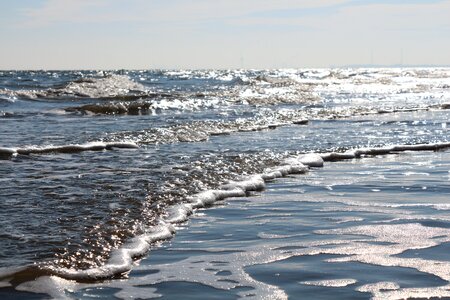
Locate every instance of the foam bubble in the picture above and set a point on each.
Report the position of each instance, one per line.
(264, 235)
(376, 287)
(208, 198)
(121, 260)
(391, 290)
(253, 183)
(311, 160)
(340, 220)
(179, 213)
(53, 286)
(291, 166)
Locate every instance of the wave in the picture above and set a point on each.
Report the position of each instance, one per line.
(150, 104)
(121, 260)
(209, 88)
(265, 120)
(93, 146)
(112, 86)
(200, 131)
(6, 100)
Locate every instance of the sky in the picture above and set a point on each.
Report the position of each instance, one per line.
(173, 34)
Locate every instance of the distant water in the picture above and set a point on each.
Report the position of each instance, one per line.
(97, 169)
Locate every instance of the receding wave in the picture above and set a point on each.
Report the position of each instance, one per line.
(120, 260)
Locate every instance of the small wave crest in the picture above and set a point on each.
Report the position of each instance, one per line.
(149, 103)
(111, 86)
(93, 146)
(4, 98)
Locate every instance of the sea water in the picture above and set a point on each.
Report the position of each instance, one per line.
(224, 183)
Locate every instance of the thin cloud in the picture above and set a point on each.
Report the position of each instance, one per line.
(63, 11)
(305, 13)
(102, 11)
(365, 16)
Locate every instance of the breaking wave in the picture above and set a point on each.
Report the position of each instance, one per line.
(93, 146)
(199, 131)
(120, 260)
(265, 120)
(112, 86)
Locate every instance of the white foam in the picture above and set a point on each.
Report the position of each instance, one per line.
(285, 170)
(92, 146)
(54, 286)
(209, 197)
(311, 160)
(121, 260)
(411, 233)
(412, 293)
(271, 175)
(179, 213)
(253, 183)
(290, 166)
(375, 287)
(340, 220)
(334, 156)
(400, 237)
(110, 86)
(140, 292)
(331, 282)
(264, 235)
(294, 166)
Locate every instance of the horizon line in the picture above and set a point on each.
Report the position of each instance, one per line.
(350, 66)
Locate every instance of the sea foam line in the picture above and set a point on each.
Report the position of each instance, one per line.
(121, 259)
(202, 134)
(93, 146)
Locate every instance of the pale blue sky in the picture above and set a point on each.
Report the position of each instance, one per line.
(143, 34)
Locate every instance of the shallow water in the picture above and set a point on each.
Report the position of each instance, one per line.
(91, 163)
(313, 235)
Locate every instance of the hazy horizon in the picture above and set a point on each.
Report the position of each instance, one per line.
(235, 68)
(224, 34)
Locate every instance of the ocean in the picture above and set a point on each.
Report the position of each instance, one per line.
(225, 184)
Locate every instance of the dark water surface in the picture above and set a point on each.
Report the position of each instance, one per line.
(98, 167)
